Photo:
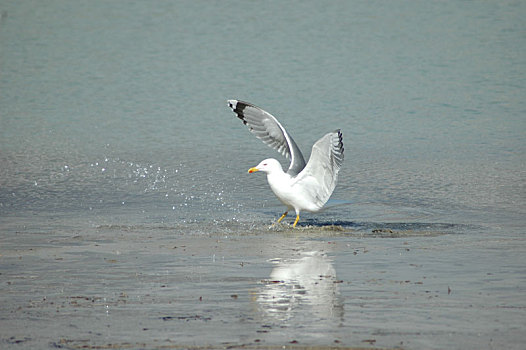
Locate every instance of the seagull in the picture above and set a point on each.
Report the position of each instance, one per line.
(304, 186)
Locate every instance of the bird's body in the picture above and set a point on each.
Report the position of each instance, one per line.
(303, 186)
(283, 185)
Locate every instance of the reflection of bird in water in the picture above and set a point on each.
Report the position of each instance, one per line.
(305, 284)
(303, 186)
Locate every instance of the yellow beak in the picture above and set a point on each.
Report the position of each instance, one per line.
(253, 170)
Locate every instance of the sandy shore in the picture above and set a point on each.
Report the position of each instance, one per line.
(122, 287)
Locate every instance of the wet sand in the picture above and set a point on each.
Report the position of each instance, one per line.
(321, 287)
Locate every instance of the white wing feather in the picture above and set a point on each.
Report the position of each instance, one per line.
(320, 176)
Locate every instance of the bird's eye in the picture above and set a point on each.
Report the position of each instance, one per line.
(265, 164)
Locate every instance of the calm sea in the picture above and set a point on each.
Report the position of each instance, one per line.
(116, 140)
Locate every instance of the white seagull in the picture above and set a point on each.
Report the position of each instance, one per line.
(304, 186)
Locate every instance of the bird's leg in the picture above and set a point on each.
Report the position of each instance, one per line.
(282, 217)
(296, 221)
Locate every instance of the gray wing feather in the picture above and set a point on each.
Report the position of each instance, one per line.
(323, 167)
(269, 130)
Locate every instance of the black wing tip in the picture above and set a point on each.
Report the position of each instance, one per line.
(238, 107)
(340, 141)
(340, 135)
(238, 104)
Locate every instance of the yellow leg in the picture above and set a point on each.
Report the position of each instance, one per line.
(282, 217)
(296, 221)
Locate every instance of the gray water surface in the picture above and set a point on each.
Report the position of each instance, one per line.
(128, 219)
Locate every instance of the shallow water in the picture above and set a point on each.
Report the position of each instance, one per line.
(128, 219)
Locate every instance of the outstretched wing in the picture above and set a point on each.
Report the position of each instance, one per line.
(269, 130)
(321, 172)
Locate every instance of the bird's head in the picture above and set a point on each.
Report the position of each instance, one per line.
(267, 166)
